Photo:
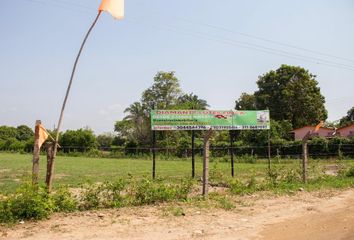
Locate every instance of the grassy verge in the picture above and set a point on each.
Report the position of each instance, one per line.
(73, 171)
(34, 203)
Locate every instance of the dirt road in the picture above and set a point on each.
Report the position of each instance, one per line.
(321, 215)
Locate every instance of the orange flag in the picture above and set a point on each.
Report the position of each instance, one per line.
(43, 135)
(114, 7)
(318, 126)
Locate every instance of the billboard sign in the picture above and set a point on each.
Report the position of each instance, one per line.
(166, 120)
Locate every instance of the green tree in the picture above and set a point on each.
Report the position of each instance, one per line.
(291, 93)
(79, 140)
(348, 119)
(7, 132)
(163, 93)
(105, 140)
(124, 129)
(139, 117)
(24, 133)
(191, 101)
(246, 102)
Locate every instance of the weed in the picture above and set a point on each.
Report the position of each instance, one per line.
(154, 191)
(90, 198)
(222, 201)
(27, 203)
(113, 193)
(350, 172)
(240, 188)
(64, 201)
(176, 211)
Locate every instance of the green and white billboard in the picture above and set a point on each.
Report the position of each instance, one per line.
(166, 120)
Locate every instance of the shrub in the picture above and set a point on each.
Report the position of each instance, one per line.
(27, 203)
(90, 198)
(147, 191)
(240, 188)
(112, 193)
(64, 201)
(350, 172)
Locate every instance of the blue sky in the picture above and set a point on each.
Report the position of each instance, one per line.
(206, 42)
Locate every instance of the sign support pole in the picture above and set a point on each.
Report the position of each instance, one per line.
(231, 133)
(153, 150)
(269, 153)
(193, 154)
(206, 162)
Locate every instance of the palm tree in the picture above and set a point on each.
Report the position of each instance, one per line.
(192, 101)
(137, 115)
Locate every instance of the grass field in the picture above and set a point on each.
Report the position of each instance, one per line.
(16, 168)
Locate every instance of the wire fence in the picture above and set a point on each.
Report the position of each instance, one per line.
(293, 151)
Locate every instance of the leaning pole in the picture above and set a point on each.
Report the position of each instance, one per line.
(51, 170)
(116, 9)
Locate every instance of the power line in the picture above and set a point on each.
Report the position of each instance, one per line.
(263, 39)
(207, 36)
(253, 47)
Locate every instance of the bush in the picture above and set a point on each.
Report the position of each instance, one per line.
(240, 188)
(64, 201)
(350, 172)
(27, 203)
(90, 197)
(112, 193)
(147, 191)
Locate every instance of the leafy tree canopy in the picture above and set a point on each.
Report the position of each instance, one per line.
(83, 139)
(163, 93)
(290, 93)
(347, 119)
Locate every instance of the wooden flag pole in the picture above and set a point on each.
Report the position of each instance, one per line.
(36, 151)
(50, 180)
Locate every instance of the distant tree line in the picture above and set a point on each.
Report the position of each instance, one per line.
(290, 93)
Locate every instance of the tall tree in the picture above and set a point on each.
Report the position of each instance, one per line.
(348, 119)
(164, 92)
(246, 102)
(139, 117)
(24, 133)
(78, 140)
(191, 101)
(291, 93)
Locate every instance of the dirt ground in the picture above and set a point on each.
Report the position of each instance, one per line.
(317, 215)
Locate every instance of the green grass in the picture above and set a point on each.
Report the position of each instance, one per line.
(16, 168)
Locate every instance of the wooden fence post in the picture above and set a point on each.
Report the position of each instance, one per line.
(36, 151)
(304, 161)
(305, 156)
(50, 150)
(206, 162)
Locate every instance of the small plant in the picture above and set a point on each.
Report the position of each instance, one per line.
(216, 176)
(175, 211)
(292, 176)
(350, 172)
(64, 201)
(147, 191)
(90, 198)
(112, 193)
(223, 202)
(27, 203)
(240, 188)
